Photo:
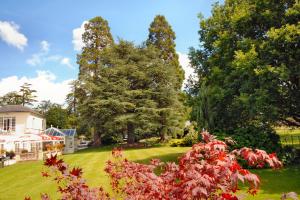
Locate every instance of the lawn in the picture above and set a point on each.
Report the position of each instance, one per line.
(25, 178)
(289, 137)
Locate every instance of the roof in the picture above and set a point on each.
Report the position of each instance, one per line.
(60, 132)
(18, 108)
(28, 137)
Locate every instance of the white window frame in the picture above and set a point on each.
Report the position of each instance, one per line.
(7, 124)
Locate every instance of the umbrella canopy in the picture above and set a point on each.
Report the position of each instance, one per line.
(45, 137)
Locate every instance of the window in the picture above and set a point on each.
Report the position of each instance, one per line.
(17, 147)
(8, 124)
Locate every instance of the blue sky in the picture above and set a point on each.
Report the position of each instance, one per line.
(44, 32)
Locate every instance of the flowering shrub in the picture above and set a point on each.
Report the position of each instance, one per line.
(207, 171)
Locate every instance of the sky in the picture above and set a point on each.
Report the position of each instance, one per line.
(39, 40)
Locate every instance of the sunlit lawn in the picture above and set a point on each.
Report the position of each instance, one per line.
(25, 178)
(289, 136)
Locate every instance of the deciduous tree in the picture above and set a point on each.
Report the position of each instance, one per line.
(247, 65)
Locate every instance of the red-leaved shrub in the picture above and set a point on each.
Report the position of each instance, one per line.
(207, 171)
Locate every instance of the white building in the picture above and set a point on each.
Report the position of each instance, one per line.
(18, 119)
(20, 127)
(23, 129)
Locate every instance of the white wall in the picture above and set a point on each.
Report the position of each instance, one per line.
(20, 120)
(34, 124)
(26, 122)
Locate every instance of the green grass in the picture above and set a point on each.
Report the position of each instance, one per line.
(25, 178)
(289, 137)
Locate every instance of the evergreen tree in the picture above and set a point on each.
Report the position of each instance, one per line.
(163, 38)
(129, 95)
(11, 98)
(96, 38)
(72, 98)
(27, 94)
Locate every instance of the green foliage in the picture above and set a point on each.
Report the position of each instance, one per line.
(96, 38)
(151, 142)
(255, 136)
(176, 142)
(57, 116)
(162, 37)
(25, 96)
(11, 98)
(133, 92)
(191, 138)
(289, 155)
(248, 68)
(44, 106)
(124, 90)
(112, 139)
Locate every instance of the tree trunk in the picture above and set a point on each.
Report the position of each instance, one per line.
(97, 140)
(163, 133)
(130, 133)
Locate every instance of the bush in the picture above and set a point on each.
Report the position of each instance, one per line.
(191, 138)
(289, 155)
(24, 151)
(10, 154)
(59, 147)
(260, 137)
(111, 139)
(176, 142)
(2, 151)
(150, 142)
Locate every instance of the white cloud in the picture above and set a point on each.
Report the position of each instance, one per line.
(66, 61)
(36, 59)
(40, 57)
(45, 46)
(9, 33)
(44, 83)
(77, 37)
(43, 57)
(189, 71)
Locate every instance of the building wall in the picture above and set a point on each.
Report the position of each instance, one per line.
(26, 122)
(20, 120)
(34, 124)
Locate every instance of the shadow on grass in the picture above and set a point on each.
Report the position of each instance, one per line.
(172, 157)
(110, 147)
(94, 150)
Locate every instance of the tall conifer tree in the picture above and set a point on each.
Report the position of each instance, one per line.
(96, 38)
(162, 37)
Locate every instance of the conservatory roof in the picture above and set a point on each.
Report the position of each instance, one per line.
(60, 132)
